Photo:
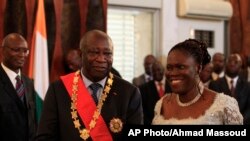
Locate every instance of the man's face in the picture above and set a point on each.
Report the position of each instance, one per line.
(97, 58)
(157, 71)
(15, 53)
(218, 62)
(233, 65)
(149, 60)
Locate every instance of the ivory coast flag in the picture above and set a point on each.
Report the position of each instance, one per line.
(38, 66)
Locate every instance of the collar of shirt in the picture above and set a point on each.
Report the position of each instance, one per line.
(216, 76)
(11, 74)
(221, 74)
(88, 82)
(147, 77)
(162, 82)
(229, 79)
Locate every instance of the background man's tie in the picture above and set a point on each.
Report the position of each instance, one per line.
(232, 88)
(94, 87)
(161, 91)
(19, 87)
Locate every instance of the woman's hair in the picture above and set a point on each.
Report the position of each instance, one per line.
(196, 49)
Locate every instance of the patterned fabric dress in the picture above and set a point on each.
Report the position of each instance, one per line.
(224, 110)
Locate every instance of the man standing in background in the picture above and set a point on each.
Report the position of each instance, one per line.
(17, 94)
(153, 90)
(218, 61)
(234, 85)
(147, 76)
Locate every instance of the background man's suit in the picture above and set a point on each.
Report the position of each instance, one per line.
(150, 96)
(17, 120)
(242, 91)
(137, 81)
(123, 102)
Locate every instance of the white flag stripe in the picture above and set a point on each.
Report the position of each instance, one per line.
(41, 65)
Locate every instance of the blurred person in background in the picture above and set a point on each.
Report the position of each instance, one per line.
(206, 74)
(153, 90)
(147, 75)
(234, 85)
(218, 61)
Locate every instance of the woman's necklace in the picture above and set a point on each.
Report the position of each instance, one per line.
(197, 97)
(189, 102)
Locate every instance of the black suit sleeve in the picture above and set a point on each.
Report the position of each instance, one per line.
(213, 85)
(144, 89)
(135, 112)
(48, 126)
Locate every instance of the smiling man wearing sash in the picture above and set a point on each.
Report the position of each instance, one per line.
(70, 112)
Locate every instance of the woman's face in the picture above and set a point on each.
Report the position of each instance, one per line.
(181, 71)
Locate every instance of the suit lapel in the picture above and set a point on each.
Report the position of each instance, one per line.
(154, 91)
(239, 87)
(242, 90)
(30, 100)
(10, 90)
(225, 87)
(28, 92)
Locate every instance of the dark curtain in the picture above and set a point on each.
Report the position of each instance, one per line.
(66, 23)
(240, 28)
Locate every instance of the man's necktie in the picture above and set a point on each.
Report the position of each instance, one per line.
(232, 88)
(161, 91)
(19, 87)
(94, 87)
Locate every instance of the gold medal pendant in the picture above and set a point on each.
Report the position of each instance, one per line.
(116, 125)
(84, 134)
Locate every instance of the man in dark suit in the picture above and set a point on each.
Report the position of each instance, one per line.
(153, 90)
(239, 89)
(147, 76)
(91, 103)
(17, 108)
